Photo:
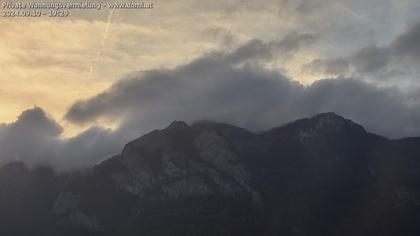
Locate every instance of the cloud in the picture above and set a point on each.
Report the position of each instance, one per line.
(36, 123)
(257, 49)
(399, 60)
(234, 82)
(390, 112)
(26, 137)
(46, 61)
(408, 44)
(225, 86)
(220, 88)
(34, 138)
(251, 86)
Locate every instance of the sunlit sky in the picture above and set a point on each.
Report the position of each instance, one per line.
(52, 62)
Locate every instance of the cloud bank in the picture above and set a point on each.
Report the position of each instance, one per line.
(227, 86)
(230, 87)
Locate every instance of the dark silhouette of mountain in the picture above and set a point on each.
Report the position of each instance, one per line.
(319, 176)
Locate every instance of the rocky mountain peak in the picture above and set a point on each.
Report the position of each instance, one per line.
(323, 124)
(176, 125)
(329, 116)
(331, 120)
(315, 176)
(184, 161)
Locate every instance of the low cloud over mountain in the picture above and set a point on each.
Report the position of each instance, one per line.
(35, 140)
(234, 86)
(243, 92)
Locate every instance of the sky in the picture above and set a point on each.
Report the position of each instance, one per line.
(73, 90)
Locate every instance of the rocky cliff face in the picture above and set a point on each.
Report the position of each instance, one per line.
(182, 161)
(319, 176)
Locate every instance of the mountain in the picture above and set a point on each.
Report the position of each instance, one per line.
(324, 175)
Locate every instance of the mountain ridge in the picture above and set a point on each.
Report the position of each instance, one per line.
(315, 176)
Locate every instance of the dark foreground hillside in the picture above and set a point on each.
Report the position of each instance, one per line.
(320, 176)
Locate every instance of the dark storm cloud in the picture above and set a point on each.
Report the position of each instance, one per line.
(402, 56)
